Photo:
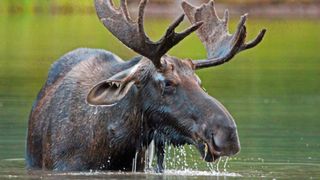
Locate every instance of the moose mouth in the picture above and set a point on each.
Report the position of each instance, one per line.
(209, 151)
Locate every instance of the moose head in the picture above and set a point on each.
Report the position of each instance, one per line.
(167, 90)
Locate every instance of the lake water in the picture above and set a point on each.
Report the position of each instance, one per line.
(273, 92)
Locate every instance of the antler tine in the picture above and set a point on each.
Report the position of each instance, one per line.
(133, 35)
(221, 46)
(124, 9)
(174, 25)
(256, 41)
(226, 17)
(171, 30)
(142, 7)
(221, 60)
(188, 31)
(106, 6)
(171, 38)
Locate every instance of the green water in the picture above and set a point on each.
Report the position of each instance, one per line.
(273, 92)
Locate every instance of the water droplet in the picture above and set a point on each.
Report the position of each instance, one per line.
(225, 164)
(96, 110)
(218, 165)
(134, 162)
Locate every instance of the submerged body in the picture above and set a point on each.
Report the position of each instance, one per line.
(78, 136)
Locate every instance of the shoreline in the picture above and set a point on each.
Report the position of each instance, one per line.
(283, 10)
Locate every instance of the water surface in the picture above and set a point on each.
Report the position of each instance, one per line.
(273, 92)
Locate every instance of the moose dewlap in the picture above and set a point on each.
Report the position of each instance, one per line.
(97, 111)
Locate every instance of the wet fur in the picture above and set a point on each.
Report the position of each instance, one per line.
(65, 133)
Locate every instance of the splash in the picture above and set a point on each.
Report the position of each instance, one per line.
(184, 161)
(218, 163)
(134, 163)
(225, 164)
(182, 173)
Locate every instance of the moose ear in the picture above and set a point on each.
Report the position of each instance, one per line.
(112, 90)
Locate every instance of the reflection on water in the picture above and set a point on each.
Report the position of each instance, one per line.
(240, 169)
(272, 92)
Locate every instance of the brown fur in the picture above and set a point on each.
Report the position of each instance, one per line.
(67, 133)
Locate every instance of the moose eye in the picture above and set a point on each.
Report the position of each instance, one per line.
(168, 83)
(169, 87)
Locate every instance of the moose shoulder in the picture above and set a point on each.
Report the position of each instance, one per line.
(97, 111)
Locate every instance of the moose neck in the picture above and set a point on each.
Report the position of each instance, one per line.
(132, 128)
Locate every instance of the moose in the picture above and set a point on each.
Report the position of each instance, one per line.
(99, 112)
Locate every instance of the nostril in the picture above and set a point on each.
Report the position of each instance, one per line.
(231, 150)
(227, 142)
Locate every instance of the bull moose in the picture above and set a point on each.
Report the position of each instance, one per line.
(99, 112)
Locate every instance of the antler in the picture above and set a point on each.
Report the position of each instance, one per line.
(220, 45)
(132, 34)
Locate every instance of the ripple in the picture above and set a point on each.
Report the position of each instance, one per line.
(14, 159)
(185, 172)
(190, 172)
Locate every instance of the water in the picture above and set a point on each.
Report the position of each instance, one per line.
(272, 92)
